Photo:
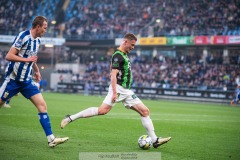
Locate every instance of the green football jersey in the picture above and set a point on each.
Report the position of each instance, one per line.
(121, 62)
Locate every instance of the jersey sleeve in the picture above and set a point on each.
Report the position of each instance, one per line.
(117, 60)
(18, 42)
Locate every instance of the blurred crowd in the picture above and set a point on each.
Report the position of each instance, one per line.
(202, 17)
(16, 15)
(103, 19)
(3, 62)
(108, 19)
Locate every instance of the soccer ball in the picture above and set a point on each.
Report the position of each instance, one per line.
(145, 142)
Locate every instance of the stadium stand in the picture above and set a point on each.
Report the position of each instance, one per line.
(108, 19)
(15, 14)
(113, 18)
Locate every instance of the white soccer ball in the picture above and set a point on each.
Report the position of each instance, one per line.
(145, 142)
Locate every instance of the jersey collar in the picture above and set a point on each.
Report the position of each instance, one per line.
(121, 51)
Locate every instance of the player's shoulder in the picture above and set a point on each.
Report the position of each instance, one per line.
(117, 53)
(24, 34)
(21, 38)
(117, 57)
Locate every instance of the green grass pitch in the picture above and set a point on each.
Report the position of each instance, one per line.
(198, 131)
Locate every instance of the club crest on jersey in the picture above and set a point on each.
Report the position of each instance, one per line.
(115, 62)
(18, 44)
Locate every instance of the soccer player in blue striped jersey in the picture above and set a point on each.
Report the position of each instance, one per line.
(22, 58)
(119, 91)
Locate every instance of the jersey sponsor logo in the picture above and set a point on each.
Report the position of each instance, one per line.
(31, 53)
(129, 65)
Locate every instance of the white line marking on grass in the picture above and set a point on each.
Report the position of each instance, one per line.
(165, 114)
(173, 119)
(136, 117)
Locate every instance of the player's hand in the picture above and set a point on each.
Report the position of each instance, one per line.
(114, 97)
(232, 103)
(32, 59)
(38, 76)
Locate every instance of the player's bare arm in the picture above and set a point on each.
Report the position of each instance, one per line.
(114, 73)
(37, 72)
(12, 56)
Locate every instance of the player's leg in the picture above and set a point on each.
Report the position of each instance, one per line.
(89, 112)
(130, 100)
(104, 108)
(148, 125)
(2, 90)
(145, 118)
(7, 91)
(44, 119)
(30, 91)
(1, 103)
(7, 103)
(92, 111)
(39, 102)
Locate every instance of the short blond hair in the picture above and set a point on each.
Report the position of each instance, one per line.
(38, 20)
(130, 36)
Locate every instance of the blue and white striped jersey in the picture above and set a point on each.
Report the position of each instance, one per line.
(27, 46)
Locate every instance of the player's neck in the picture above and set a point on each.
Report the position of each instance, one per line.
(33, 33)
(121, 49)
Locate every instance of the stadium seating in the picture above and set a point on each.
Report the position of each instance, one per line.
(110, 19)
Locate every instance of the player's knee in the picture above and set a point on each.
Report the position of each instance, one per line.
(42, 108)
(145, 112)
(102, 111)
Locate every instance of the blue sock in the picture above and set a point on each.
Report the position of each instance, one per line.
(45, 122)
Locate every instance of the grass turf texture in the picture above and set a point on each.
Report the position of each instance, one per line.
(199, 131)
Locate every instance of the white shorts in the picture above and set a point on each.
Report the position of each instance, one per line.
(126, 96)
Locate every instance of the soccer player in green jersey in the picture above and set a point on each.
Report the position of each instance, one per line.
(119, 91)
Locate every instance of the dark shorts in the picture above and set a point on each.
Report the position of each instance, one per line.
(10, 88)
